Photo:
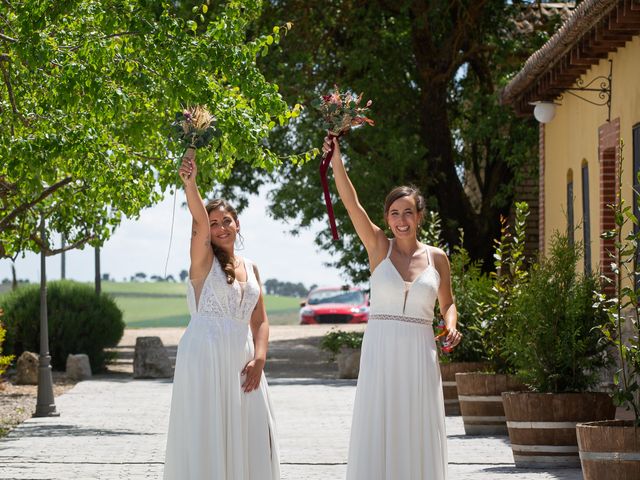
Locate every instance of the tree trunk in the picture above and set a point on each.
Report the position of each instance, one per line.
(63, 258)
(14, 279)
(98, 279)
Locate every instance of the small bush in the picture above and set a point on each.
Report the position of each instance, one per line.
(554, 339)
(79, 322)
(4, 360)
(334, 340)
(471, 291)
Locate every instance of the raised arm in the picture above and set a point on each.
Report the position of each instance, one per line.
(201, 251)
(372, 236)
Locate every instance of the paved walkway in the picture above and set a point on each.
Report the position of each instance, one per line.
(114, 428)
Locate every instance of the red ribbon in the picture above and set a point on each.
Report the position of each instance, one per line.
(324, 167)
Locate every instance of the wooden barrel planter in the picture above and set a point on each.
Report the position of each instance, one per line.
(609, 450)
(542, 426)
(448, 372)
(481, 401)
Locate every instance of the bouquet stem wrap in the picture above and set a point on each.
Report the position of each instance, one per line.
(340, 113)
(324, 167)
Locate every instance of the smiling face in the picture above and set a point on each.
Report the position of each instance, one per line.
(403, 217)
(224, 226)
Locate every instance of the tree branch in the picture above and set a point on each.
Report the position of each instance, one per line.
(26, 206)
(104, 37)
(7, 38)
(12, 98)
(48, 252)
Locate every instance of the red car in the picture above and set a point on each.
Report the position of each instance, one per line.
(335, 305)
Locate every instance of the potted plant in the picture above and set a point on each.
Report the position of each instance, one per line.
(345, 350)
(480, 392)
(611, 449)
(557, 348)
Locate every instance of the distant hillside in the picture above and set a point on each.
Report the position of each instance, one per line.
(164, 304)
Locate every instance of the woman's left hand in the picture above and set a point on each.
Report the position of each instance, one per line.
(253, 374)
(453, 337)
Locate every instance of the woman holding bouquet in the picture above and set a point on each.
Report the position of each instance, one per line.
(398, 429)
(221, 425)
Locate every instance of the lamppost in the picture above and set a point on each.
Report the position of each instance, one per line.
(45, 406)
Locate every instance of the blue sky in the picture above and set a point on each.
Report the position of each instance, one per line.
(141, 246)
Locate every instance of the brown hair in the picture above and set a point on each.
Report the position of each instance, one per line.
(405, 191)
(222, 256)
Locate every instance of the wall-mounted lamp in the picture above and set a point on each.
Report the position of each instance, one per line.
(544, 111)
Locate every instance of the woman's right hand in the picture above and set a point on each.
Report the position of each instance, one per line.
(188, 169)
(329, 141)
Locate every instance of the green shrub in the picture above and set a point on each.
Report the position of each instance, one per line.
(553, 339)
(334, 340)
(79, 322)
(471, 291)
(4, 360)
(508, 279)
(623, 308)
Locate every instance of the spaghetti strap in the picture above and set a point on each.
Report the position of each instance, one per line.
(429, 257)
(390, 246)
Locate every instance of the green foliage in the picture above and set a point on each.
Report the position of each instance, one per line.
(88, 90)
(553, 337)
(471, 291)
(623, 306)
(334, 340)
(431, 232)
(6, 359)
(79, 322)
(509, 281)
(433, 72)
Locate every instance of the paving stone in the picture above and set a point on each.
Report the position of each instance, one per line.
(116, 429)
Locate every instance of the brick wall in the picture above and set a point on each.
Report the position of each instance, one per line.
(608, 141)
(541, 154)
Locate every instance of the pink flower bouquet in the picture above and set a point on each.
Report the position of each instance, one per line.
(340, 113)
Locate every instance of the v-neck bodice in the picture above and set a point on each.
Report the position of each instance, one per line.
(392, 295)
(221, 299)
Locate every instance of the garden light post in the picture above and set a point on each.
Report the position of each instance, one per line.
(45, 406)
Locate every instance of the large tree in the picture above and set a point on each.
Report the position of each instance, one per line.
(88, 89)
(433, 69)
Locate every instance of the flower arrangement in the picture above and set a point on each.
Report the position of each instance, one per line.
(340, 113)
(194, 127)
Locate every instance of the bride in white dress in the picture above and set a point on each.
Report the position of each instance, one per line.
(221, 425)
(398, 430)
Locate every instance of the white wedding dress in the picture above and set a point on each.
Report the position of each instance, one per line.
(216, 431)
(398, 430)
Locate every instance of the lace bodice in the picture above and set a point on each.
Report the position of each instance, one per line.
(391, 296)
(220, 299)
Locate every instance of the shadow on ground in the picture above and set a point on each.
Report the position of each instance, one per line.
(292, 358)
(62, 430)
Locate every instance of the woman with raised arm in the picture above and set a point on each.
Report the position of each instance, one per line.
(398, 429)
(221, 424)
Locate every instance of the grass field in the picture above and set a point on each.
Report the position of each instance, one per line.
(165, 305)
(150, 304)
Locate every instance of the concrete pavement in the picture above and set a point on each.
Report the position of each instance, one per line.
(113, 427)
